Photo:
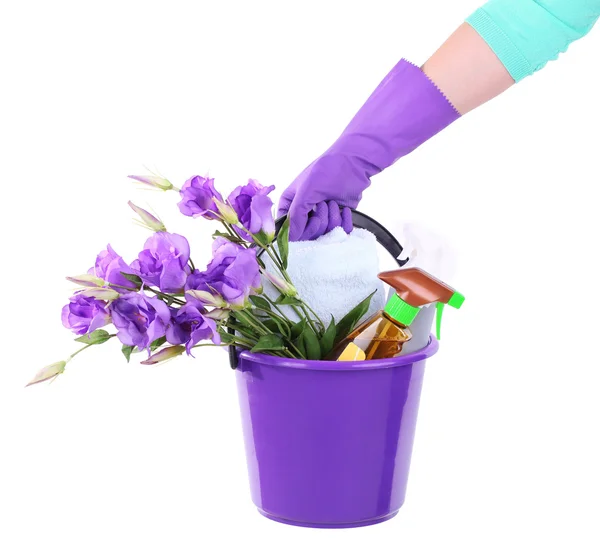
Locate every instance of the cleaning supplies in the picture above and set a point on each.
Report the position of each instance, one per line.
(384, 334)
(333, 273)
(420, 289)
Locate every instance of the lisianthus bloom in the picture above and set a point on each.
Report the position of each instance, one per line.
(153, 181)
(164, 261)
(147, 220)
(253, 207)
(197, 198)
(84, 314)
(190, 326)
(282, 285)
(49, 372)
(109, 266)
(164, 355)
(140, 319)
(233, 273)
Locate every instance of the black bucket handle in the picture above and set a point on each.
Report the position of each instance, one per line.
(359, 220)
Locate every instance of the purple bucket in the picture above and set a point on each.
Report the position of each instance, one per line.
(329, 444)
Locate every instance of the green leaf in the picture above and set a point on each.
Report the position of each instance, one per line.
(158, 342)
(287, 300)
(127, 350)
(241, 324)
(260, 302)
(227, 236)
(97, 337)
(268, 342)
(249, 333)
(132, 278)
(328, 339)
(347, 324)
(298, 329)
(282, 327)
(299, 343)
(311, 343)
(272, 321)
(263, 238)
(271, 324)
(226, 338)
(283, 240)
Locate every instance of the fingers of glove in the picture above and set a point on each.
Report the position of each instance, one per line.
(317, 222)
(298, 214)
(334, 218)
(347, 219)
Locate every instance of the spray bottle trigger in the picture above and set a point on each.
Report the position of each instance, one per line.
(438, 318)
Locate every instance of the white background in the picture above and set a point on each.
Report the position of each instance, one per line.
(126, 462)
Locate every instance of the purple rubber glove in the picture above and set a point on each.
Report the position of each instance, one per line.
(325, 217)
(404, 111)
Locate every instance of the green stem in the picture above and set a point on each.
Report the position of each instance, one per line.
(234, 233)
(159, 293)
(305, 307)
(192, 265)
(279, 314)
(146, 287)
(257, 324)
(241, 340)
(85, 348)
(123, 287)
(284, 318)
(277, 317)
(277, 260)
(279, 264)
(312, 311)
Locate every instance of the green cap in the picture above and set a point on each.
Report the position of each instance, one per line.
(401, 311)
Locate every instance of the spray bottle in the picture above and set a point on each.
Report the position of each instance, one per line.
(384, 334)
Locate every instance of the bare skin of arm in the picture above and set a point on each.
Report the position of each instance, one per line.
(467, 70)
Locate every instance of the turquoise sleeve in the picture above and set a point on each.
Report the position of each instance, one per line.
(526, 34)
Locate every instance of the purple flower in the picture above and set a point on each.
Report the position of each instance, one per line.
(163, 262)
(84, 314)
(139, 319)
(197, 196)
(233, 273)
(253, 207)
(189, 326)
(109, 266)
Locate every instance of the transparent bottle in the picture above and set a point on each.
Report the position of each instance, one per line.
(380, 336)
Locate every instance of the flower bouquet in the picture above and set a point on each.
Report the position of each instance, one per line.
(161, 305)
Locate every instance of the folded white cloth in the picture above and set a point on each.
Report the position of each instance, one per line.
(333, 273)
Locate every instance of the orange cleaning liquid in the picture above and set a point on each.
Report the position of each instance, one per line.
(378, 337)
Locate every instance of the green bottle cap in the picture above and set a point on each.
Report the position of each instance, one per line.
(401, 311)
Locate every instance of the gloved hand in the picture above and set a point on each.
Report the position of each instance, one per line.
(404, 111)
(325, 217)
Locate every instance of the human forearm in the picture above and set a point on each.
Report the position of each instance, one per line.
(503, 42)
(467, 71)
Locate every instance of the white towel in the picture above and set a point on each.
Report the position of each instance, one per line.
(333, 273)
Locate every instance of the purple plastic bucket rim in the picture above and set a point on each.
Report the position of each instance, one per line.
(324, 365)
